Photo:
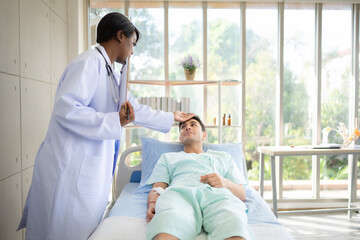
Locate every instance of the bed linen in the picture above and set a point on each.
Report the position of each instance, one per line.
(126, 219)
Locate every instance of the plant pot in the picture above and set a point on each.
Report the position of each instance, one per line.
(188, 75)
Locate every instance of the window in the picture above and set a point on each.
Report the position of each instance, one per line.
(223, 45)
(147, 62)
(299, 79)
(223, 63)
(97, 10)
(357, 142)
(336, 69)
(261, 46)
(185, 36)
(212, 31)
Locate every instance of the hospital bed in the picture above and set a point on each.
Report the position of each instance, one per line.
(126, 218)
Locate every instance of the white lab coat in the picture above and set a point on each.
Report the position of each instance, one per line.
(73, 167)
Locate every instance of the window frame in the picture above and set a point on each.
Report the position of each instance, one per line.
(316, 136)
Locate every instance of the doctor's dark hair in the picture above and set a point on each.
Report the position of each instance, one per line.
(197, 119)
(113, 22)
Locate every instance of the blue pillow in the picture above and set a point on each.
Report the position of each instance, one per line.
(152, 149)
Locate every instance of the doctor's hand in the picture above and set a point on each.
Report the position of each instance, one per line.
(124, 119)
(215, 180)
(150, 212)
(182, 117)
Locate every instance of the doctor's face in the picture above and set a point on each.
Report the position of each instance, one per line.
(126, 46)
(191, 132)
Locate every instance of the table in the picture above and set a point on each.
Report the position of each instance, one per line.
(305, 150)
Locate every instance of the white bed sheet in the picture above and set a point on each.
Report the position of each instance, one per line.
(127, 218)
(126, 228)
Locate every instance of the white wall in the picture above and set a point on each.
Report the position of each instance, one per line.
(77, 15)
(34, 52)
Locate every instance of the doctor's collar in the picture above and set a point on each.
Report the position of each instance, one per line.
(104, 53)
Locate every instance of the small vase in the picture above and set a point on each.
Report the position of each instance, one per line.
(188, 75)
(325, 135)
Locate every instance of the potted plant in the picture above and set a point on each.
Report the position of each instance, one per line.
(190, 64)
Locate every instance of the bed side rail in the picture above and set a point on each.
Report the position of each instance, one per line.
(123, 173)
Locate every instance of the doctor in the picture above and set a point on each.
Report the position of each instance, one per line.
(73, 167)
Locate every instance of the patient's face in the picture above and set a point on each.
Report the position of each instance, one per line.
(191, 132)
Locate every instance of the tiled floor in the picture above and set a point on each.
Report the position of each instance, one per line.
(314, 226)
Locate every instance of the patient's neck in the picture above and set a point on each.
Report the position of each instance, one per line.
(193, 148)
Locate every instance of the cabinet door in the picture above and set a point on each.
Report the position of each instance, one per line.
(47, 2)
(10, 125)
(10, 207)
(60, 7)
(35, 40)
(53, 94)
(9, 37)
(35, 116)
(59, 47)
(26, 182)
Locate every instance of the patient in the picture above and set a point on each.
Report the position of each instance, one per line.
(202, 189)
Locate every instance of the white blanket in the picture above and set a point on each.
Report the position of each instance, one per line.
(130, 228)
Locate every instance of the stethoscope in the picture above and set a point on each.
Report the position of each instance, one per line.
(114, 90)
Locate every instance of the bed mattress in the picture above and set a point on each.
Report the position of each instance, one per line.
(126, 219)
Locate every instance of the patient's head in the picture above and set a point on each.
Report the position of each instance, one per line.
(192, 131)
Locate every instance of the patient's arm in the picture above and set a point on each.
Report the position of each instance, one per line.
(152, 198)
(215, 180)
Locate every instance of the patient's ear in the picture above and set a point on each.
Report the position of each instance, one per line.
(204, 135)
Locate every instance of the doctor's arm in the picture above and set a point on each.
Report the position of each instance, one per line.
(155, 119)
(72, 106)
(182, 116)
(152, 198)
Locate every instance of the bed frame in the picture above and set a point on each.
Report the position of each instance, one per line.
(124, 173)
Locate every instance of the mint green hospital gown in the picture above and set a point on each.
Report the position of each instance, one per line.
(187, 204)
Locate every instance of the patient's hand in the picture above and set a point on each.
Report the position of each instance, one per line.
(150, 212)
(215, 180)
